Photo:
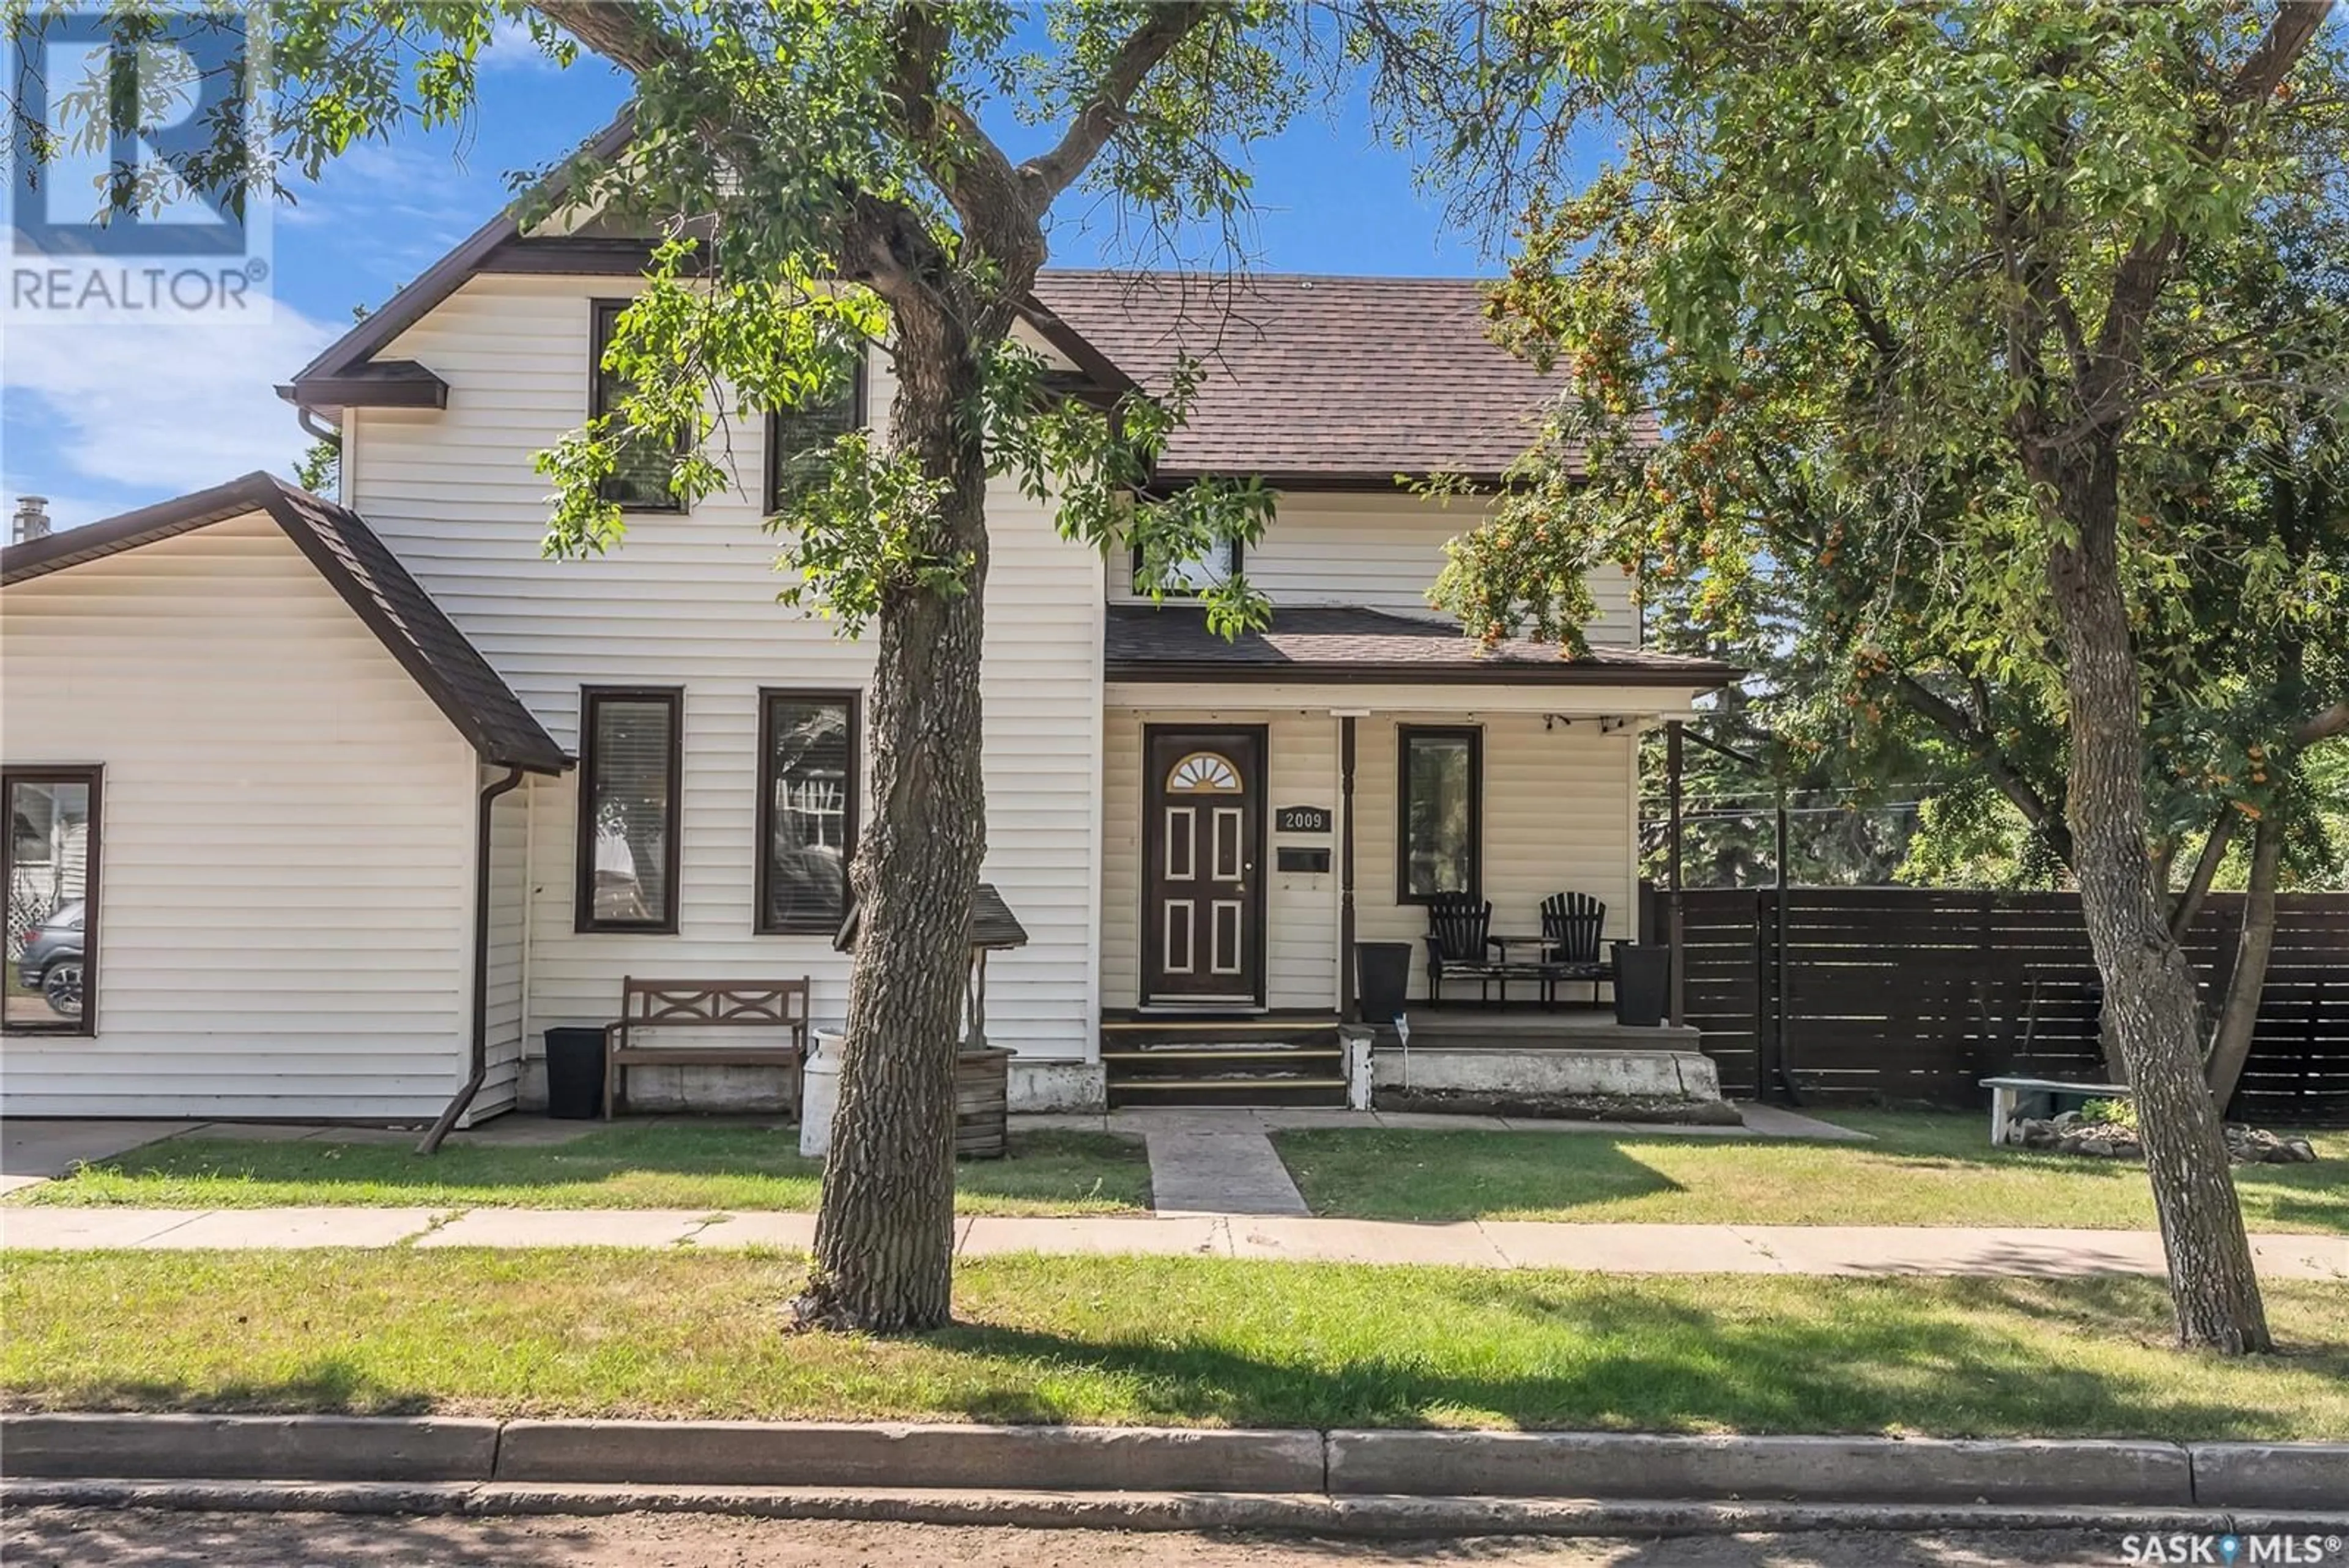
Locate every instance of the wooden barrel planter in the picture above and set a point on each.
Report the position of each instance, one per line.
(982, 1096)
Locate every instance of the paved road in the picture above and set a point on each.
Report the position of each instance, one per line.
(85, 1538)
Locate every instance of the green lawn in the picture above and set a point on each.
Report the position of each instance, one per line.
(1154, 1340)
(662, 1166)
(1922, 1169)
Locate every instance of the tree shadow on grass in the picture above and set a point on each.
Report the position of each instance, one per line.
(1628, 1360)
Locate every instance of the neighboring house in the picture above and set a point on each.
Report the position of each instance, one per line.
(295, 720)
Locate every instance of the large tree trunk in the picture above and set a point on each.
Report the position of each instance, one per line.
(2149, 989)
(2231, 1043)
(884, 1231)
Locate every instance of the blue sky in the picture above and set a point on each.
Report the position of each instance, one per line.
(104, 419)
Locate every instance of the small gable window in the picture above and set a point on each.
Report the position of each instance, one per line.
(1189, 579)
(797, 437)
(639, 479)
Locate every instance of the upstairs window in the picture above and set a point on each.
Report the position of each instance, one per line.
(629, 765)
(1442, 780)
(50, 861)
(1189, 579)
(639, 479)
(797, 437)
(807, 808)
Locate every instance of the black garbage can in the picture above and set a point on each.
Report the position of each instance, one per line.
(574, 1074)
(1643, 983)
(1381, 979)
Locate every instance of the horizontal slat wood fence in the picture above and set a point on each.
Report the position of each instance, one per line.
(1914, 995)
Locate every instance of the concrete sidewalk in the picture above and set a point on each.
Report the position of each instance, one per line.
(1817, 1250)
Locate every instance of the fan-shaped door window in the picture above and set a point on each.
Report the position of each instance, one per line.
(1204, 772)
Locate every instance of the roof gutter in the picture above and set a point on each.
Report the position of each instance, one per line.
(473, 1084)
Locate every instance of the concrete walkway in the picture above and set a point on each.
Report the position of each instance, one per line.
(1211, 1172)
(1490, 1244)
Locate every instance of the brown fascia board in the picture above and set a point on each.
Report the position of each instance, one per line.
(500, 246)
(404, 309)
(1563, 673)
(262, 491)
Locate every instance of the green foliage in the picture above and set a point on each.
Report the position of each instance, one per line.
(1841, 302)
(2110, 1114)
(319, 468)
(810, 171)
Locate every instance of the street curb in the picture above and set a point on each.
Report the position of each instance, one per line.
(1790, 1468)
(1394, 1517)
(854, 1454)
(2270, 1475)
(1089, 1464)
(250, 1448)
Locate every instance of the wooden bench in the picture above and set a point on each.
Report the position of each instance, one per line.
(653, 1005)
(2007, 1096)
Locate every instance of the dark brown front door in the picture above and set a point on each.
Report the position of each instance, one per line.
(1202, 838)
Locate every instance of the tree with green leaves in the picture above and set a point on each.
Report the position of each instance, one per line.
(1925, 297)
(827, 182)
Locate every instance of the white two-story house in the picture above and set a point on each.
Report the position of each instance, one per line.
(354, 785)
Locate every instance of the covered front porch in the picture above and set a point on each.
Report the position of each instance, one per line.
(1272, 806)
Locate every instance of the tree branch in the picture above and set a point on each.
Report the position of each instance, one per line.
(624, 34)
(2206, 866)
(2334, 720)
(1048, 174)
(1993, 761)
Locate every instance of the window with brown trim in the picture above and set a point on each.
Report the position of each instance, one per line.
(808, 760)
(50, 861)
(1439, 794)
(796, 436)
(639, 479)
(631, 757)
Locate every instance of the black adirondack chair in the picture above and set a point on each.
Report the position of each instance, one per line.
(1572, 927)
(1459, 942)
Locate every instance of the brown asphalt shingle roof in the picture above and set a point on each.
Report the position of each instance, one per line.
(1308, 378)
(360, 568)
(1172, 642)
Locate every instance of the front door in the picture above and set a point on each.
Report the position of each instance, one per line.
(1202, 833)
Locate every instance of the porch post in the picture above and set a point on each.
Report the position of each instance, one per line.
(1349, 1007)
(1672, 868)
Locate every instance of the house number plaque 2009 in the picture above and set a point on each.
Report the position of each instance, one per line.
(1301, 819)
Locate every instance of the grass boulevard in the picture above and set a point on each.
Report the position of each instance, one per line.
(1154, 1340)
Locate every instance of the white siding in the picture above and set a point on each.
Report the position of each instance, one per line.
(690, 601)
(1557, 817)
(1558, 805)
(1383, 551)
(286, 839)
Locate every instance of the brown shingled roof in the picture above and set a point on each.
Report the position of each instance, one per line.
(360, 568)
(1328, 380)
(1172, 642)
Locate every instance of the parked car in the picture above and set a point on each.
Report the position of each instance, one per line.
(52, 960)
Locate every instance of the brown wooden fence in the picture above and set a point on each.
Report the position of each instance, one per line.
(1897, 994)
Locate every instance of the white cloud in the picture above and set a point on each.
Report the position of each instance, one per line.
(512, 48)
(154, 410)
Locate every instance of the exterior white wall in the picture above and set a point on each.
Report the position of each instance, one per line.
(690, 601)
(286, 839)
(1559, 806)
(1383, 551)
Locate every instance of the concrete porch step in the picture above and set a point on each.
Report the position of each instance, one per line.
(1222, 1089)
